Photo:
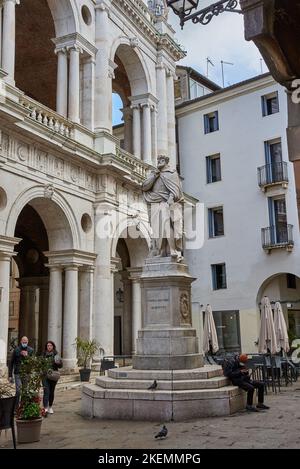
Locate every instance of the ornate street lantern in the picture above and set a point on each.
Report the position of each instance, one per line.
(184, 8)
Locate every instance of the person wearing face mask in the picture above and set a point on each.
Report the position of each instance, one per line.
(19, 354)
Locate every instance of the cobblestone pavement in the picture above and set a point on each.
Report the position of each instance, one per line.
(277, 428)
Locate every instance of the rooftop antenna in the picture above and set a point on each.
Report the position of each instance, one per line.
(261, 66)
(222, 65)
(208, 63)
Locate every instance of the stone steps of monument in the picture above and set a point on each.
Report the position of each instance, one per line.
(97, 392)
(128, 373)
(162, 385)
(72, 380)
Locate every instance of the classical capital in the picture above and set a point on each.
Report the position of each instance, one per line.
(103, 5)
(76, 48)
(61, 50)
(135, 106)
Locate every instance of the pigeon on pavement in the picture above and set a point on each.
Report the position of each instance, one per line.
(162, 433)
(153, 386)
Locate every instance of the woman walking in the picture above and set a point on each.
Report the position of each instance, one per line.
(51, 379)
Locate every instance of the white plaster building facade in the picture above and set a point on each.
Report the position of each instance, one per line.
(252, 245)
(72, 216)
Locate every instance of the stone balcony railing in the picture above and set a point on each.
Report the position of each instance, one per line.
(138, 167)
(82, 144)
(45, 116)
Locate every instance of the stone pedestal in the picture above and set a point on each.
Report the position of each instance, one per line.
(167, 352)
(167, 340)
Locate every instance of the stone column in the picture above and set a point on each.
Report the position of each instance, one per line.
(103, 76)
(136, 311)
(104, 282)
(88, 98)
(62, 82)
(171, 120)
(28, 300)
(147, 156)
(154, 134)
(1, 16)
(162, 115)
(127, 117)
(70, 322)
(127, 315)
(55, 306)
(9, 38)
(5, 260)
(43, 314)
(86, 289)
(74, 84)
(136, 131)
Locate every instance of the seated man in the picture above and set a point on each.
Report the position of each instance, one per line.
(237, 372)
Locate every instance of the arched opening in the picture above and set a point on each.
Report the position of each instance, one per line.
(42, 226)
(32, 277)
(131, 96)
(130, 255)
(285, 288)
(36, 62)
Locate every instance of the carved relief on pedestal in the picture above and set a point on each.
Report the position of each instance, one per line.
(185, 309)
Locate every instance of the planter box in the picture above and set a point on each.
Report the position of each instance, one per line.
(29, 431)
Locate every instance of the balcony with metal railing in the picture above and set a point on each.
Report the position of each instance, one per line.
(277, 237)
(273, 174)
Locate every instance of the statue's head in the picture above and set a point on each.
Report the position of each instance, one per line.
(162, 161)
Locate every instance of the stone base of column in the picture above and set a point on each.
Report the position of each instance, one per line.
(167, 340)
(69, 366)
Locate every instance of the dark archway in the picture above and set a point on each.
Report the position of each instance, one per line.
(32, 278)
(36, 62)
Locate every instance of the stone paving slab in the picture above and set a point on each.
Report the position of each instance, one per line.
(277, 428)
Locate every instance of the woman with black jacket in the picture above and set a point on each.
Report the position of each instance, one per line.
(49, 384)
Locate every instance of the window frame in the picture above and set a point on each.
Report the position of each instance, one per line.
(209, 174)
(207, 120)
(211, 222)
(264, 102)
(214, 277)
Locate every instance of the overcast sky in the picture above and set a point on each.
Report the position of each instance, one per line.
(222, 39)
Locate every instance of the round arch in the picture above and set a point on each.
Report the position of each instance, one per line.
(268, 281)
(137, 256)
(65, 17)
(134, 64)
(55, 212)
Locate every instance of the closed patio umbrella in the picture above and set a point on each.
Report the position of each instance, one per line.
(267, 338)
(210, 338)
(280, 328)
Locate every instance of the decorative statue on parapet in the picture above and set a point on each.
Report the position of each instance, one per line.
(158, 8)
(163, 194)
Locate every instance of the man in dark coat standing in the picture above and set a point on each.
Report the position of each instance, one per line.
(19, 354)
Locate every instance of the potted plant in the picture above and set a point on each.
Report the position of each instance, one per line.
(29, 411)
(86, 349)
